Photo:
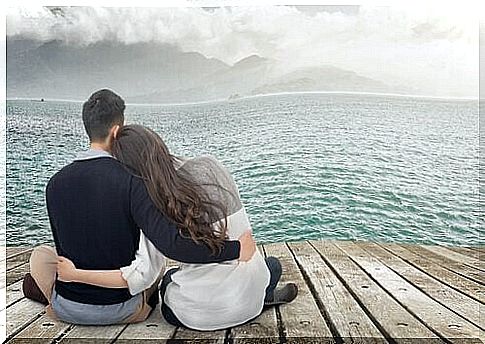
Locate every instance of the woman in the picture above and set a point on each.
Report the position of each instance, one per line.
(201, 198)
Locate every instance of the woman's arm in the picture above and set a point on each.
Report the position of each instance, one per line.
(67, 272)
(147, 267)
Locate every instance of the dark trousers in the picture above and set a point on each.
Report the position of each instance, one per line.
(275, 271)
(166, 311)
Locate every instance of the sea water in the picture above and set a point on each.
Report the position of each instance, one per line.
(308, 166)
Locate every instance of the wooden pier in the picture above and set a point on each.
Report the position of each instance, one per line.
(349, 292)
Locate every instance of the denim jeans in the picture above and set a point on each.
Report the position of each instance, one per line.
(87, 314)
(166, 311)
(275, 271)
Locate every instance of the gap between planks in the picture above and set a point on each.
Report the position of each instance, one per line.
(67, 334)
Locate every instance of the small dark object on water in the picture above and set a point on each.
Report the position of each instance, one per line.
(41, 99)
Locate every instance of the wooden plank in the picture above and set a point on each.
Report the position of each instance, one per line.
(459, 303)
(19, 259)
(346, 316)
(460, 283)
(17, 250)
(393, 319)
(21, 314)
(448, 324)
(450, 264)
(260, 330)
(480, 249)
(14, 293)
(263, 329)
(7, 268)
(155, 328)
(458, 257)
(301, 319)
(17, 273)
(467, 251)
(42, 330)
(188, 336)
(92, 334)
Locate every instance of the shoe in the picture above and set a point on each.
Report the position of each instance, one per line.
(283, 295)
(32, 291)
(153, 299)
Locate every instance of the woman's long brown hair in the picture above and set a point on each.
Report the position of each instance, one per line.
(174, 192)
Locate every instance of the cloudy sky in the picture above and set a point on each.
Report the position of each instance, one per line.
(434, 49)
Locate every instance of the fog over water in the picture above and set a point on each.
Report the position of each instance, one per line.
(428, 50)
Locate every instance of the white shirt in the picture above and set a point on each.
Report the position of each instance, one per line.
(149, 263)
(207, 296)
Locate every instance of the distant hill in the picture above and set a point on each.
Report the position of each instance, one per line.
(159, 73)
(223, 83)
(325, 78)
(57, 70)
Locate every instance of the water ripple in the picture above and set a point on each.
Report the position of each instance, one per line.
(308, 166)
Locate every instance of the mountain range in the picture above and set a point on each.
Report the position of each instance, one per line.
(161, 73)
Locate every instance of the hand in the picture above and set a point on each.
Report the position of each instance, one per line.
(248, 246)
(66, 270)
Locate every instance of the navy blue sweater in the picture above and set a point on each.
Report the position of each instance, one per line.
(96, 209)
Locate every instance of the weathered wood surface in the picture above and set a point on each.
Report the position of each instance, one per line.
(349, 292)
(14, 293)
(454, 280)
(468, 251)
(91, 334)
(18, 258)
(155, 328)
(17, 273)
(460, 303)
(301, 320)
(458, 257)
(11, 252)
(448, 324)
(450, 264)
(388, 314)
(346, 316)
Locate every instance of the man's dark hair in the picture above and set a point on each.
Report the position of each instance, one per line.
(101, 112)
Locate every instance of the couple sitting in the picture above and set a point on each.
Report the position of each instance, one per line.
(123, 206)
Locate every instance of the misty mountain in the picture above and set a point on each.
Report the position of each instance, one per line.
(240, 80)
(158, 73)
(324, 78)
(57, 70)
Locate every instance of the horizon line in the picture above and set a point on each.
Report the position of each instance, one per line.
(264, 95)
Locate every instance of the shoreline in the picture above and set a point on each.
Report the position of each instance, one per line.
(397, 95)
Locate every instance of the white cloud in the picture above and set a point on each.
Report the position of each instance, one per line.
(434, 49)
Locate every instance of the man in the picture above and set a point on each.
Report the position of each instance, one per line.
(96, 210)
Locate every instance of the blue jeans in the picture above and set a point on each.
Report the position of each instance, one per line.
(166, 311)
(275, 270)
(87, 314)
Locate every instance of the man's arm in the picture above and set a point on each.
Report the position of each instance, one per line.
(166, 237)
